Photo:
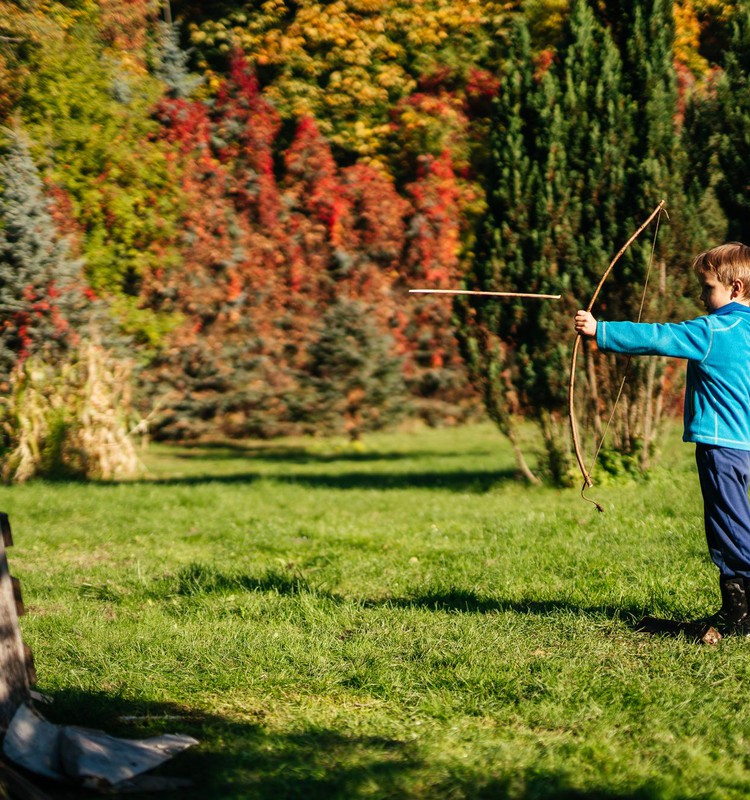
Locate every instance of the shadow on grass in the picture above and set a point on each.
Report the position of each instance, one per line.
(459, 481)
(455, 481)
(240, 759)
(547, 786)
(249, 760)
(197, 579)
(460, 600)
(224, 451)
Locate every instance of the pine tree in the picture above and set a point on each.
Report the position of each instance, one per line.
(586, 136)
(733, 122)
(41, 288)
(590, 138)
(172, 63)
(577, 156)
(655, 172)
(352, 381)
(507, 246)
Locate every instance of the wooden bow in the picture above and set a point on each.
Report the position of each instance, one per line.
(586, 473)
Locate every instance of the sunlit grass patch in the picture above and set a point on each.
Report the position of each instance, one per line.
(406, 622)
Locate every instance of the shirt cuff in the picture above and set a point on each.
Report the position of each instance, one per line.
(601, 335)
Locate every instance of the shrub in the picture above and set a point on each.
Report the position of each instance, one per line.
(68, 419)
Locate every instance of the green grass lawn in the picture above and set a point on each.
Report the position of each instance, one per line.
(407, 622)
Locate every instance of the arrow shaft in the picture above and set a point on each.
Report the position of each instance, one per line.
(487, 294)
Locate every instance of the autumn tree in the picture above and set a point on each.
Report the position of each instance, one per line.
(434, 370)
(125, 206)
(222, 365)
(347, 63)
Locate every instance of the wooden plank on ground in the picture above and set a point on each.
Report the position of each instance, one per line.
(14, 681)
(5, 530)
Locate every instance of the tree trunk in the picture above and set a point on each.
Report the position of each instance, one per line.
(523, 467)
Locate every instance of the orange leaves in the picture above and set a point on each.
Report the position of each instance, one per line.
(124, 23)
(312, 179)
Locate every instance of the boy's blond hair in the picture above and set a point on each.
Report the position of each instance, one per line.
(728, 262)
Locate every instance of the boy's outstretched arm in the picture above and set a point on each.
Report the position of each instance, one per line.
(585, 323)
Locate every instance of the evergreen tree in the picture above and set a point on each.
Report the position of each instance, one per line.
(41, 289)
(559, 150)
(172, 63)
(733, 122)
(651, 81)
(579, 155)
(591, 139)
(655, 171)
(507, 247)
(352, 379)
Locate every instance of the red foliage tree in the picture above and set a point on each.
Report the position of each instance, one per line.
(346, 229)
(225, 284)
(432, 260)
(319, 216)
(246, 126)
(261, 261)
(198, 284)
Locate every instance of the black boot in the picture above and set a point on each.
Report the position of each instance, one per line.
(732, 618)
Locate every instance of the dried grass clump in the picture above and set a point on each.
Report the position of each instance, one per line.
(69, 419)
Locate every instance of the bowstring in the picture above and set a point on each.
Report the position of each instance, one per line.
(627, 362)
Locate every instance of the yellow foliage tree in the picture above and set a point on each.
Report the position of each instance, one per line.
(348, 62)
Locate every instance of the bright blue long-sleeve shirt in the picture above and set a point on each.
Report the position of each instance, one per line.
(717, 348)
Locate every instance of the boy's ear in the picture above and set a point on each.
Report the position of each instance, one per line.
(738, 288)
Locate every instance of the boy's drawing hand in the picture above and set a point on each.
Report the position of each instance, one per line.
(585, 323)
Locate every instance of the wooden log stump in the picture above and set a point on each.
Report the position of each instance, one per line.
(16, 665)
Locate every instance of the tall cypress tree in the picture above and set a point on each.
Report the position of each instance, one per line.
(507, 244)
(559, 155)
(646, 33)
(590, 138)
(733, 120)
(623, 155)
(41, 290)
(579, 157)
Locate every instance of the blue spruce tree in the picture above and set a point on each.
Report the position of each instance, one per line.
(41, 290)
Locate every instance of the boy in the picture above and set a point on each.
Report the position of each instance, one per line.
(716, 413)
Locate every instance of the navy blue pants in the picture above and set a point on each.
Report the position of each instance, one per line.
(725, 478)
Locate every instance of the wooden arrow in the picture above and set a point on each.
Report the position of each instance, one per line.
(487, 294)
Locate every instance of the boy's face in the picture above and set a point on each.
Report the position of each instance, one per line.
(714, 294)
